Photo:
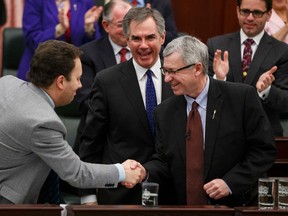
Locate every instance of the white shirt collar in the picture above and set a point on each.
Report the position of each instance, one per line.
(116, 47)
(141, 72)
(256, 38)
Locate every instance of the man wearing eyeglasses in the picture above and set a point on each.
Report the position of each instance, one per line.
(253, 57)
(213, 135)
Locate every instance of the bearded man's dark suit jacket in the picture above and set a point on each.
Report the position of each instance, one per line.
(239, 144)
(270, 52)
(117, 127)
(97, 55)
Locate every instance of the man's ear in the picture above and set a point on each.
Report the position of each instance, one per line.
(105, 25)
(59, 81)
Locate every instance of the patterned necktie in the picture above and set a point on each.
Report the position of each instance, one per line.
(122, 53)
(151, 101)
(50, 191)
(195, 159)
(247, 57)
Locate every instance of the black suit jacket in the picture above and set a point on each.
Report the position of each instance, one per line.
(239, 145)
(270, 52)
(97, 55)
(166, 9)
(117, 127)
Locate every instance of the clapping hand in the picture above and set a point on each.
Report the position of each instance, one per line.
(266, 79)
(220, 67)
(93, 15)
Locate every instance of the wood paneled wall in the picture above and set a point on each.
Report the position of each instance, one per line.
(205, 18)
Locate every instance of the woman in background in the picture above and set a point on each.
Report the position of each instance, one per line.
(73, 21)
(277, 26)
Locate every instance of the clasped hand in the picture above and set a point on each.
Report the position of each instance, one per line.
(135, 173)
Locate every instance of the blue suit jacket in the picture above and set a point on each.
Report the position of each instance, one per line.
(39, 21)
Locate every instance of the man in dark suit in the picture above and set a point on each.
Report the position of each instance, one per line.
(271, 82)
(117, 125)
(101, 54)
(238, 145)
(166, 9)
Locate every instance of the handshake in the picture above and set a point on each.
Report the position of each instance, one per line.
(135, 173)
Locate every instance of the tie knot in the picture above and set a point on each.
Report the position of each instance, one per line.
(123, 51)
(194, 105)
(149, 73)
(248, 42)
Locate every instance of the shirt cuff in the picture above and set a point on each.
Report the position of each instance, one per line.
(264, 94)
(215, 77)
(88, 199)
(122, 175)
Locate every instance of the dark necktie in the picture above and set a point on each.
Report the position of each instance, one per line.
(134, 3)
(151, 101)
(50, 191)
(247, 57)
(195, 159)
(122, 53)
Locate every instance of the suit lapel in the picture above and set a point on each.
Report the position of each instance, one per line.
(214, 111)
(259, 56)
(131, 88)
(166, 90)
(235, 63)
(107, 53)
(180, 116)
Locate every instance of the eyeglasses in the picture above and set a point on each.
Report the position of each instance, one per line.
(255, 13)
(165, 71)
(117, 24)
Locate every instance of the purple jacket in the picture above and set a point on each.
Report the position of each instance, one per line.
(39, 21)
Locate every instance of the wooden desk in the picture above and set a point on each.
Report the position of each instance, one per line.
(30, 210)
(254, 211)
(280, 166)
(135, 210)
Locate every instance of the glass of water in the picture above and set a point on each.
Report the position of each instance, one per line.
(266, 193)
(150, 194)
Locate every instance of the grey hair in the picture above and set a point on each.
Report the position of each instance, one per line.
(190, 49)
(140, 14)
(108, 8)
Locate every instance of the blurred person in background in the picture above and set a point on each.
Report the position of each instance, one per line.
(277, 26)
(73, 21)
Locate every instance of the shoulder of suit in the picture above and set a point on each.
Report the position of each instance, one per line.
(225, 36)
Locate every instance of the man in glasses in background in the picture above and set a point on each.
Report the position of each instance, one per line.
(255, 58)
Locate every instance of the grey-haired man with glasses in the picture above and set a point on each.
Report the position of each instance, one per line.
(253, 57)
(212, 134)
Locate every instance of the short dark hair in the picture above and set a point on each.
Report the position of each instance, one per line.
(52, 58)
(140, 14)
(268, 4)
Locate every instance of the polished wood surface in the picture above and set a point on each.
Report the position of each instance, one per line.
(134, 210)
(254, 211)
(280, 167)
(30, 210)
(205, 18)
